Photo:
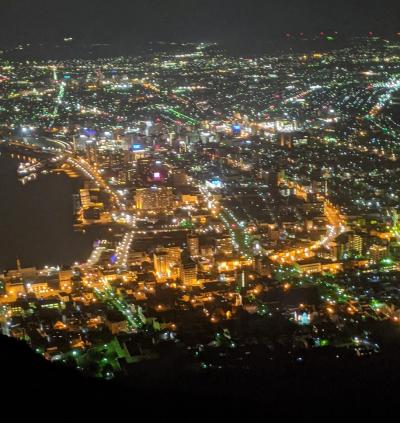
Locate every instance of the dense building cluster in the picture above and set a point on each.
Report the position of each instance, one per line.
(252, 203)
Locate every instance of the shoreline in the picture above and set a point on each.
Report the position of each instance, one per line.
(24, 220)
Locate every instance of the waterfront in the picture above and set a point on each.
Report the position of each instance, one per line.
(36, 220)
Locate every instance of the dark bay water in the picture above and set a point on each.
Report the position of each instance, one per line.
(36, 220)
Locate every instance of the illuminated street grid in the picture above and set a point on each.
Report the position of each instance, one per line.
(265, 187)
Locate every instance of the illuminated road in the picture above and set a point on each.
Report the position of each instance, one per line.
(96, 254)
(60, 97)
(122, 251)
(172, 112)
(176, 114)
(115, 301)
(335, 226)
(241, 240)
(92, 173)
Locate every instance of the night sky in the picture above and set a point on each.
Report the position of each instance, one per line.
(244, 22)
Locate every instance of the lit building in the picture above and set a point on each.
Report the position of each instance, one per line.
(143, 166)
(223, 245)
(166, 262)
(154, 198)
(15, 287)
(349, 242)
(319, 266)
(286, 139)
(193, 245)
(116, 323)
(377, 252)
(157, 174)
(91, 152)
(161, 265)
(189, 199)
(39, 288)
(188, 272)
(173, 253)
(65, 278)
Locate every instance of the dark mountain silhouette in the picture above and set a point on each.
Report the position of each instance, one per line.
(319, 387)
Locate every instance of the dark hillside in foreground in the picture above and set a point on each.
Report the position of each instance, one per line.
(319, 387)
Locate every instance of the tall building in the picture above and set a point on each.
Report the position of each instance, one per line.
(188, 272)
(166, 262)
(161, 265)
(193, 245)
(143, 166)
(173, 253)
(154, 198)
(377, 252)
(91, 151)
(319, 184)
(349, 242)
(356, 243)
